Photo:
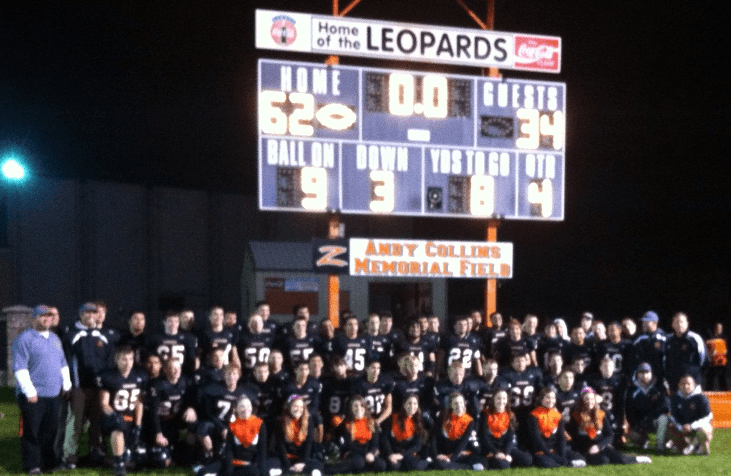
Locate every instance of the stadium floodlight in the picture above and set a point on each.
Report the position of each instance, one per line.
(13, 170)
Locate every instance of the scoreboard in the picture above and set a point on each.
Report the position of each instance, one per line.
(361, 140)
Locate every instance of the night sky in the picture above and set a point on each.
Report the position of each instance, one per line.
(164, 93)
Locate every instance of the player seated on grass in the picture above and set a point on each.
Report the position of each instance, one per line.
(646, 408)
(567, 395)
(496, 429)
(690, 429)
(591, 433)
(547, 434)
(335, 392)
(610, 387)
(170, 403)
(121, 405)
(216, 402)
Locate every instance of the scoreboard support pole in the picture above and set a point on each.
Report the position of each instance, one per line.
(490, 284)
(492, 225)
(333, 280)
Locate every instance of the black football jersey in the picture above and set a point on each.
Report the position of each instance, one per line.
(224, 339)
(422, 387)
(335, 394)
(217, 403)
(421, 349)
(254, 349)
(373, 393)
(619, 353)
(310, 392)
(523, 386)
(466, 349)
(298, 350)
(355, 352)
(181, 346)
(124, 392)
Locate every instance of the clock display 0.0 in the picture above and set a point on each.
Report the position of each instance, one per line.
(410, 143)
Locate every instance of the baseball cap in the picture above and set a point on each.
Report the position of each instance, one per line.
(41, 310)
(650, 316)
(644, 367)
(88, 307)
(587, 315)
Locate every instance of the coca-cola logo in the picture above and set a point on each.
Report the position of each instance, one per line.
(532, 53)
(537, 53)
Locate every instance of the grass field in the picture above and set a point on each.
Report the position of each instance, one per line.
(718, 463)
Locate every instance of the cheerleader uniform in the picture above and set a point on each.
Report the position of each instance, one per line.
(356, 440)
(405, 441)
(291, 452)
(247, 443)
(496, 436)
(452, 438)
(548, 440)
(584, 434)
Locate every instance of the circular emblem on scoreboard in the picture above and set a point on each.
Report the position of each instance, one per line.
(283, 30)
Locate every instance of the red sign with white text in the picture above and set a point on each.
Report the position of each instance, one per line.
(537, 53)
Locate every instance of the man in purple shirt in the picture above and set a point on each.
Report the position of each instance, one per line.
(41, 373)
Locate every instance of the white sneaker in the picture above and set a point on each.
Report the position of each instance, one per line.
(316, 472)
(688, 449)
(275, 472)
(478, 467)
(578, 463)
(643, 459)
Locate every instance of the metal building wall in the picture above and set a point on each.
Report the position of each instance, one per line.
(133, 246)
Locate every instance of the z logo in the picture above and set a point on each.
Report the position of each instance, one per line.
(330, 257)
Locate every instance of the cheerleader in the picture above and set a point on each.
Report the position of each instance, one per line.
(547, 434)
(247, 442)
(244, 452)
(450, 442)
(296, 438)
(591, 433)
(357, 437)
(496, 429)
(402, 438)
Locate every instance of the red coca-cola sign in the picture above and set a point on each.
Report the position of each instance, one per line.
(537, 53)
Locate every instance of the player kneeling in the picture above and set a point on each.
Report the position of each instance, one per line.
(120, 397)
(690, 428)
(170, 401)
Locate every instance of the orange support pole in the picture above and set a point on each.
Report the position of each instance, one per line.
(333, 280)
(492, 225)
(491, 284)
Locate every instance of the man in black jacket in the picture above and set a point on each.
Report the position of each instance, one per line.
(90, 354)
(646, 407)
